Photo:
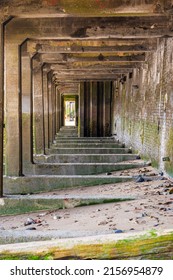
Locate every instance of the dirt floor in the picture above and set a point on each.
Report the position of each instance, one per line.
(151, 209)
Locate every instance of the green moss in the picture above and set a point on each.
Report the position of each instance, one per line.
(25, 257)
(19, 206)
(148, 246)
(169, 152)
(101, 201)
(5, 143)
(25, 118)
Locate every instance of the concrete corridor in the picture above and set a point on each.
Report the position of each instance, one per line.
(86, 102)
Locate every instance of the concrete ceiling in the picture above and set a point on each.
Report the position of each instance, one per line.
(88, 40)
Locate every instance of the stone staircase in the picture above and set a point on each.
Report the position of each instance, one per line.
(72, 162)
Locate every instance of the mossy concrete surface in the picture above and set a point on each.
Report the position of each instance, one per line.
(145, 245)
(41, 183)
(26, 204)
(169, 153)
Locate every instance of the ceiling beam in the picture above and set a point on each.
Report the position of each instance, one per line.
(93, 65)
(81, 46)
(93, 27)
(57, 58)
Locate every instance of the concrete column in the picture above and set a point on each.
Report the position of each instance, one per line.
(1, 105)
(38, 111)
(81, 111)
(26, 87)
(93, 109)
(55, 90)
(87, 109)
(58, 110)
(76, 109)
(53, 111)
(115, 93)
(107, 109)
(100, 109)
(62, 110)
(45, 98)
(50, 109)
(13, 153)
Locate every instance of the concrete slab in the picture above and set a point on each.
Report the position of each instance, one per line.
(87, 138)
(80, 168)
(88, 145)
(87, 151)
(83, 158)
(72, 140)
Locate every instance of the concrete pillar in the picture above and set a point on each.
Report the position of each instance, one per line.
(61, 109)
(38, 111)
(100, 109)
(81, 111)
(93, 109)
(50, 120)
(26, 88)
(13, 153)
(55, 90)
(87, 109)
(45, 98)
(1, 104)
(58, 110)
(107, 108)
(76, 110)
(53, 100)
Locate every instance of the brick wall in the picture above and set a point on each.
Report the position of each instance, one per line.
(143, 107)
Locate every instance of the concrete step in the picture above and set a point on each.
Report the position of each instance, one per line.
(19, 204)
(46, 183)
(67, 134)
(88, 151)
(68, 128)
(84, 158)
(88, 138)
(88, 145)
(80, 168)
(79, 140)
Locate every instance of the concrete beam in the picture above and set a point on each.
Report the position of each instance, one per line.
(92, 46)
(91, 71)
(94, 65)
(87, 57)
(91, 78)
(65, 8)
(93, 27)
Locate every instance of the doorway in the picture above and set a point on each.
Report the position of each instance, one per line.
(70, 112)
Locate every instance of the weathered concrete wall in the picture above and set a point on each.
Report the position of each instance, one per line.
(143, 106)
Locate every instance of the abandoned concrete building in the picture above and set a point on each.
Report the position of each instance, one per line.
(85, 87)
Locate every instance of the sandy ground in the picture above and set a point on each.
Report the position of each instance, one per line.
(151, 209)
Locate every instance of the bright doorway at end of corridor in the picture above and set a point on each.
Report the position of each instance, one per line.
(70, 112)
